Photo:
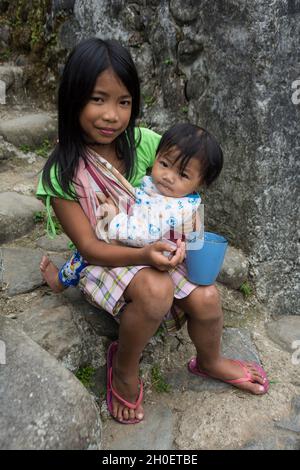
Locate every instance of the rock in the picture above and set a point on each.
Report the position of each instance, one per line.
(143, 60)
(67, 36)
(62, 5)
(229, 421)
(235, 268)
(17, 215)
(285, 331)
(30, 129)
(61, 330)
(154, 432)
(6, 150)
(43, 406)
(246, 202)
(293, 422)
(59, 243)
(185, 13)
(21, 269)
(274, 442)
(4, 4)
(13, 77)
(236, 343)
(101, 322)
(196, 85)
(164, 31)
(5, 33)
(188, 51)
(172, 88)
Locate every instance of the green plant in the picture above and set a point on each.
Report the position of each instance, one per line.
(158, 381)
(184, 109)
(5, 55)
(246, 289)
(39, 217)
(44, 149)
(149, 100)
(160, 332)
(25, 148)
(168, 61)
(86, 376)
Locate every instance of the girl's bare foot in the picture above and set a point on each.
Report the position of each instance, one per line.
(226, 369)
(50, 274)
(127, 388)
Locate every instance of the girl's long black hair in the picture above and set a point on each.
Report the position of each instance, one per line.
(88, 60)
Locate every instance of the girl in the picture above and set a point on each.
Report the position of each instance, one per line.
(98, 104)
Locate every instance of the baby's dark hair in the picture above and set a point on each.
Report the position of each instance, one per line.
(194, 142)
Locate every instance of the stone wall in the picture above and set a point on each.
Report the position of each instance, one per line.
(228, 66)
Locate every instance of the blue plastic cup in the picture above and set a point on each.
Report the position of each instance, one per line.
(204, 264)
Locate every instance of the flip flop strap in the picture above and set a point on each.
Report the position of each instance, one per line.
(247, 378)
(132, 406)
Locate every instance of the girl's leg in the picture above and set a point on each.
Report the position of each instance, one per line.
(150, 295)
(205, 324)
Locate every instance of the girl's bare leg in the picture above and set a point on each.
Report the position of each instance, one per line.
(150, 295)
(50, 274)
(205, 324)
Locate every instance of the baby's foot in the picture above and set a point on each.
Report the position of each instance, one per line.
(50, 274)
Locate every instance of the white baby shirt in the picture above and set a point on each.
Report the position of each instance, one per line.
(153, 216)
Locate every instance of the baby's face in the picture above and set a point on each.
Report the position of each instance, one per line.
(168, 178)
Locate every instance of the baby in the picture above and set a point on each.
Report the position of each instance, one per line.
(166, 204)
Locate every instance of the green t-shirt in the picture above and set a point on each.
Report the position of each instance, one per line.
(145, 156)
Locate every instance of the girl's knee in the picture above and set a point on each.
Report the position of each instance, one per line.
(206, 304)
(154, 291)
(158, 286)
(211, 296)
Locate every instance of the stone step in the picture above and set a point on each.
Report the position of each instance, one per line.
(11, 83)
(30, 129)
(61, 329)
(17, 215)
(21, 269)
(44, 406)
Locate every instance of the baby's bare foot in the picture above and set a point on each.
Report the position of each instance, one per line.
(50, 274)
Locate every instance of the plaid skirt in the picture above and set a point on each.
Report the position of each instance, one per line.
(104, 287)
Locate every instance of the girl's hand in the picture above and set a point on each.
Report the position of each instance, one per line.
(152, 255)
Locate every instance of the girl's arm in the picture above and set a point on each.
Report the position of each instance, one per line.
(78, 228)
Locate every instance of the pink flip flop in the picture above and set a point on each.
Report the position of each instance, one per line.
(110, 391)
(193, 368)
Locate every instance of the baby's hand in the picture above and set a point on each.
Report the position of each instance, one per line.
(112, 205)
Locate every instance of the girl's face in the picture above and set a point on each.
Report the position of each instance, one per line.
(107, 113)
(168, 178)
